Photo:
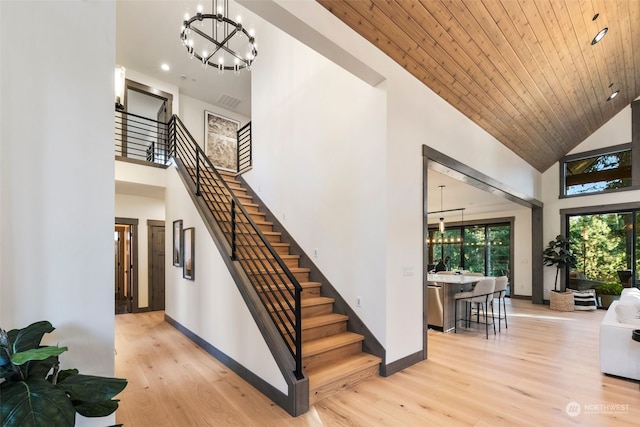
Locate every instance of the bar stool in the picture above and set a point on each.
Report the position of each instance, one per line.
(499, 293)
(481, 295)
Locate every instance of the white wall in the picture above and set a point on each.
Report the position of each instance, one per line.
(139, 174)
(192, 115)
(56, 194)
(211, 305)
(299, 104)
(318, 141)
(143, 209)
(616, 131)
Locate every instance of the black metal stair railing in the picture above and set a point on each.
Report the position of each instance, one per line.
(244, 154)
(141, 138)
(278, 288)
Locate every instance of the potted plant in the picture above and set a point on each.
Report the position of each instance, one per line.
(558, 253)
(35, 392)
(608, 293)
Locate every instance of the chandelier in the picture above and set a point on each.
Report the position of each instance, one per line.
(218, 41)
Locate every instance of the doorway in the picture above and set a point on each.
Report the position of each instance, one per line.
(434, 160)
(156, 265)
(144, 128)
(125, 265)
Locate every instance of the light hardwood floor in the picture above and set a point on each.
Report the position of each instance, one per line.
(525, 376)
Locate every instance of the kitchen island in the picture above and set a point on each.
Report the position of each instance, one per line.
(441, 291)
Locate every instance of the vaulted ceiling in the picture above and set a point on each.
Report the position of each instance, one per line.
(525, 71)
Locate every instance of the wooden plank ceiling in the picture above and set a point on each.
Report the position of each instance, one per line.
(524, 71)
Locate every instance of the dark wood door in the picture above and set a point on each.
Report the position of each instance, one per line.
(119, 264)
(156, 267)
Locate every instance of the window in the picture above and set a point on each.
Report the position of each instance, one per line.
(603, 244)
(477, 247)
(596, 171)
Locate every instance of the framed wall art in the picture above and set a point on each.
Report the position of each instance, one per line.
(221, 141)
(188, 251)
(177, 243)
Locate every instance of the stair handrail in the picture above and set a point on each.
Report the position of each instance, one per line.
(175, 125)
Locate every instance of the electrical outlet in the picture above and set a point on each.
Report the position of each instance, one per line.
(359, 301)
(315, 253)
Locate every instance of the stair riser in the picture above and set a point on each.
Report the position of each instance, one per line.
(225, 218)
(265, 277)
(218, 198)
(289, 262)
(281, 250)
(253, 238)
(251, 209)
(309, 292)
(324, 331)
(332, 355)
(327, 390)
(314, 310)
(225, 213)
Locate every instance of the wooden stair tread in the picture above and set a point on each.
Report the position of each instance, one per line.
(266, 233)
(311, 301)
(308, 302)
(320, 345)
(283, 257)
(291, 269)
(306, 284)
(303, 285)
(326, 374)
(323, 319)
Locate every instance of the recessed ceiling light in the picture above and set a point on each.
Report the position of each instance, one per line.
(613, 95)
(165, 67)
(600, 35)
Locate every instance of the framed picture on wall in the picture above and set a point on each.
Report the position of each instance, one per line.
(189, 247)
(221, 141)
(177, 243)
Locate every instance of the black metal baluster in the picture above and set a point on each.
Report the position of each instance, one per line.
(234, 256)
(197, 172)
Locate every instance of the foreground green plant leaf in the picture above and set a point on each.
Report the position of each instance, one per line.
(97, 409)
(90, 388)
(36, 403)
(37, 354)
(65, 373)
(29, 338)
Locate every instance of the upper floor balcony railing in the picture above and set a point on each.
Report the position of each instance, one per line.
(148, 141)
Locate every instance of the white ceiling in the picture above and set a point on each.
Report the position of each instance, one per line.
(457, 194)
(148, 35)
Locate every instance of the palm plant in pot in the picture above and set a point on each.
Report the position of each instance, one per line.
(558, 253)
(34, 390)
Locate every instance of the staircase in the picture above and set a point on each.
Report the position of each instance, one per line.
(332, 357)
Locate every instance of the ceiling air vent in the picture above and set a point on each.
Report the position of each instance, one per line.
(228, 101)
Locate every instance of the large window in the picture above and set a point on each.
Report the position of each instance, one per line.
(605, 246)
(596, 171)
(481, 248)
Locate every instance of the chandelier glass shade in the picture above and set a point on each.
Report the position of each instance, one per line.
(217, 41)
